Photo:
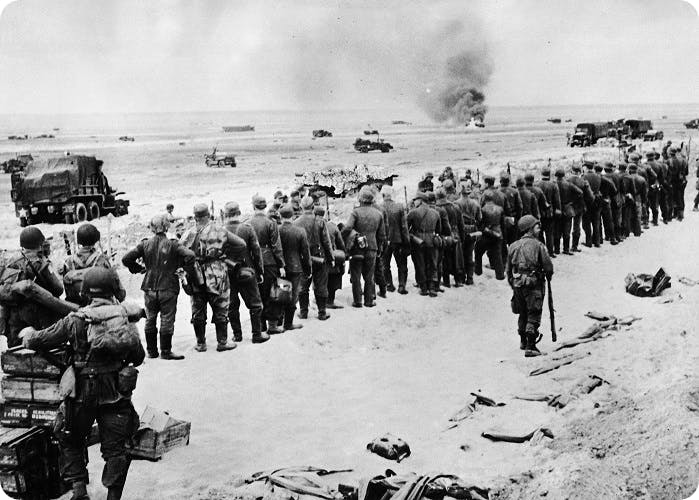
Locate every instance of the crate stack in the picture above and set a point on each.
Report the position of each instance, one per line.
(29, 451)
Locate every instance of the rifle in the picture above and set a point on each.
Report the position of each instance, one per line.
(509, 172)
(405, 194)
(327, 207)
(213, 214)
(551, 311)
(478, 176)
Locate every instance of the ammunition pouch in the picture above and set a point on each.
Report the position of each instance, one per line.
(526, 279)
(416, 241)
(127, 380)
(317, 259)
(514, 305)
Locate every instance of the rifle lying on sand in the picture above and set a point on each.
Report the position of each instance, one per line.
(551, 311)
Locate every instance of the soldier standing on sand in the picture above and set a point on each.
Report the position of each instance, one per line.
(655, 189)
(424, 225)
(246, 277)
(583, 207)
(32, 264)
(161, 258)
(297, 259)
(368, 221)
(570, 195)
(628, 211)
(593, 217)
(379, 270)
(492, 240)
(679, 170)
(295, 200)
(640, 187)
(210, 284)
(553, 199)
(321, 260)
(617, 200)
(607, 191)
(441, 235)
(528, 266)
(86, 256)
(338, 269)
(398, 241)
(267, 233)
(453, 261)
(665, 190)
(425, 184)
(513, 211)
(472, 217)
(648, 175)
(542, 205)
(530, 204)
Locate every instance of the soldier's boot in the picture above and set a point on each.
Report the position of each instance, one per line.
(531, 350)
(390, 288)
(273, 328)
(263, 325)
(680, 215)
(322, 313)
(80, 491)
(258, 336)
(382, 292)
(576, 241)
(469, 280)
(200, 334)
(152, 343)
(402, 290)
(289, 321)
(522, 341)
(433, 287)
(222, 338)
(166, 348)
(114, 492)
(304, 302)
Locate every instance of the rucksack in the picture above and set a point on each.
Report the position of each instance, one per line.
(73, 279)
(109, 331)
(10, 270)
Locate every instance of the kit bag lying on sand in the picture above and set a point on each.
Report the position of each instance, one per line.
(647, 285)
(390, 447)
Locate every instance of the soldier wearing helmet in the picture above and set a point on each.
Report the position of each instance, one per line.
(103, 364)
(491, 242)
(161, 258)
(88, 254)
(424, 223)
(552, 209)
(678, 170)
(570, 195)
(471, 215)
(30, 267)
(528, 266)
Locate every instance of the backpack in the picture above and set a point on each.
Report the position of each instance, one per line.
(10, 270)
(109, 331)
(73, 279)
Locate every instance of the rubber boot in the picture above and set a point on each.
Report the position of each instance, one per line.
(289, 321)
(222, 338)
(114, 493)
(322, 313)
(531, 350)
(166, 348)
(200, 333)
(80, 491)
(273, 328)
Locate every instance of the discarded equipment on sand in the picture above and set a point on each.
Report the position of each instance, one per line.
(647, 285)
(238, 128)
(390, 447)
(220, 159)
(69, 188)
(322, 133)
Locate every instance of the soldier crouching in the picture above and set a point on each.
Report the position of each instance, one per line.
(105, 348)
(528, 265)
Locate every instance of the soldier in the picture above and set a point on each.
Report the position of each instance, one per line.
(679, 170)
(628, 215)
(453, 260)
(273, 211)
(530, 204)
(593, 217)
(398, 240)
(161, 258)
(426, 183)
(32, 264)
(640, 187)
(655, 196)
(104, 380)
(472, 217)
(450, 189)
(423, 225)
(267, 233)
(246, 277)
(513, 210)
(367, 221)
(649, 177)
(447, 174)
(86, 256)
(295, 200)
(321, 260)
(608, 192)
(581, 207)
(297, 259)
(543, 207)
(570, 196)
(441, 236)
(528, 266)
(617, 200)
(498, 197)
(379, 271)
(492, 240)
(338, 269)
(553, 199)
(210, 283)
(665, 190)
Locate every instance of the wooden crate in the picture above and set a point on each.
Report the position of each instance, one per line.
(18, 446)
(13, 481)
(20, 414)
(26, 362)
(33, 390)
(158, 434)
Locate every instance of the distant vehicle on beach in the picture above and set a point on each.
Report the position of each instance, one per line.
(587, 134)
(366, 145)
(69, 188)
(126, 138)
(553, 120)
(45, 136)
(653, 135)
(322, 133)
(18, 137)
(371, 132)
(400, 122)
(238, 128)
(16, 164)
(220, 159)
(692, 123)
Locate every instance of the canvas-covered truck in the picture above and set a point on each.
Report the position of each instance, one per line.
(637, 128)
(69, 188)
(587, 134)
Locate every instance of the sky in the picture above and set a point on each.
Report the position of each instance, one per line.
(176, 55)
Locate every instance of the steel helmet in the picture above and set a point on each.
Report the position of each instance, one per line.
(31, 238)
(87, 235)
(526, 223)
(98, 282)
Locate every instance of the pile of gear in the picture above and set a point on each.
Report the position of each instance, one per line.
(342, 181)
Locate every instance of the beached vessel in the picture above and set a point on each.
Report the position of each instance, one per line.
(239, 128)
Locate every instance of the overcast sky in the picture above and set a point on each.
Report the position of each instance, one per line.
(154, 55)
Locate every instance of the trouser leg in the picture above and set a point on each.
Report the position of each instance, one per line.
(356, 279)
(368, 273)
(295, 279)
(468, 256)
(304, 293)
(391, 250)
(234, 310)
(379, 277)
(566, 223)
(117, 424)
(557, 233)
(73, 463)
(402, 265)
(417, 256)
(168, 311)
(577, 222)
(596, 225)
(495, 257)
(150, 328)
(250, 293)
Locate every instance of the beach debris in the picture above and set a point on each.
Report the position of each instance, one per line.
(688, 281)
(599, 330)
(299, 480)
(127, 138)
(158, 433)
(390, 447)
(598, 316)
(322, 133)
(414, 487)
(466, 411)
(646, 285)
(557, 363)
(584, 386)
(342, 181)
(496, 435)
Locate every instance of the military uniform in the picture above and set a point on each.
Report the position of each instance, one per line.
(570, 195)
(337, 270)
(472, 217)
(593, 218)
(640, 188)
(553, 199)
(513, 212)
(582, 208)
(99, 392)
(628, 211)
(424, 223)
(297, 259)
(616, 201)
(320, 248)
(655, 189)
(453, 260)
(528, 265)
(679, 170)
(161, 258)
(398, 243)
(368, 221)
(530, 203)
(492, 239)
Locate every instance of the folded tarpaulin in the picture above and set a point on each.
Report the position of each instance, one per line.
(646, 285)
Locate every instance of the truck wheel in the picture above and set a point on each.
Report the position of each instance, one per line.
(68, 218)
(23, 222)
(80, 212)
(93, 210)
(221, 164)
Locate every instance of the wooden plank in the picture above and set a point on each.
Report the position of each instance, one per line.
(21, 414)
(30, 390)
(29, 363)
(20, 445)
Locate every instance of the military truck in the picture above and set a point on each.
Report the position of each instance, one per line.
(366, 145)
(692, 123)
(322, 133)
(69, 188)
(220, 159)
(587, 134)
(17, 163)
(653, 135)
(636, 128)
